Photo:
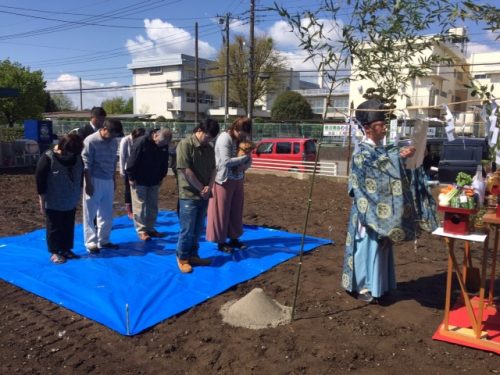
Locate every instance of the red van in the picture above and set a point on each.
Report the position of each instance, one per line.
(286, 154)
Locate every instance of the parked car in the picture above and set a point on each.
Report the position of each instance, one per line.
(286, 154)
(461, 155)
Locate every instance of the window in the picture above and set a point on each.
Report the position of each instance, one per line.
(283, 147)
(480, 76)
(341, 103)
(296, 147)
(209, 99)
(310, 147)
(156, 70)
(190, 97)
(316, 105)
(265, 148)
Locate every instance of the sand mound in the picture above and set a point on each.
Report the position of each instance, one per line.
(255, 311)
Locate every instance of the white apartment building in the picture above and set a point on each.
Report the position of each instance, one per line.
(485, 70)
(424, 97)
(166, 87)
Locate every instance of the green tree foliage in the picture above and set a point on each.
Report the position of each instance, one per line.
(60, 103)
(290, 105)
(32, 98)
(118, 105)
(268, 70)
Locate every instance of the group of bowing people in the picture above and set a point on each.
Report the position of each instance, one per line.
(210, 177)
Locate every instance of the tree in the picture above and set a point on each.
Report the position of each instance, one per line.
(61, 102)
(268, 70)
(32, 98)
(290, 105)
(118, 105)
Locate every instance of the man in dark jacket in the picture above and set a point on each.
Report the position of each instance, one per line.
(97, 117)
(147, 165)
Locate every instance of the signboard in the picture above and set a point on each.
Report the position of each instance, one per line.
(335, 130)
(431, 132)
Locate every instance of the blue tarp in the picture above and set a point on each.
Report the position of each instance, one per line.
(139, 285)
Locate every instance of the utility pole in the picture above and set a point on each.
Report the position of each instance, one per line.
(81, 94)
(251, 61)
(226, 83)
(196, 88)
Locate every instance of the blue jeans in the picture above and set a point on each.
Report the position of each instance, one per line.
(192, 213)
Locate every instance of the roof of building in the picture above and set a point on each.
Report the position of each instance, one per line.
(168, 60)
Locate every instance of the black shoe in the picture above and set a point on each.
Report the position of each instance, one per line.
(225, 248)
(93, 250)
(156, 234)
(237, 244)
(110, 246)
(70, 255)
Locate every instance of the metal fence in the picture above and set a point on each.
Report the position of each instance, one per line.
(181, 129)
(332, 154)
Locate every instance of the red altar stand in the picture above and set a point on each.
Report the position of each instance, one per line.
(475, 322)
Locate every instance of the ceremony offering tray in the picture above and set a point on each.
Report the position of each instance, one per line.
(457, 220)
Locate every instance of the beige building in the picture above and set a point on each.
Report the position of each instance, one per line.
(166, 87)
(424, 97)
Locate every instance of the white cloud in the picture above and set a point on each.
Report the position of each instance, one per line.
(288, 43)
(285, 37)
(243, 28)
(163, 38)
(478, 48)
(90, 98)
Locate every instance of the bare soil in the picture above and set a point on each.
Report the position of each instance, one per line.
(332, 333)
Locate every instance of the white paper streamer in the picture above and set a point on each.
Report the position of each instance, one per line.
(450, 121)
(494, 137)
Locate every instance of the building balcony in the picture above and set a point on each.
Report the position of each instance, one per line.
(323, 92)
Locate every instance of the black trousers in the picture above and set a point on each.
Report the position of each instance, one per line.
(60, 230)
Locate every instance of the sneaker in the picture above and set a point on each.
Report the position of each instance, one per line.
(154, 233)
(143, 236)
(184, 265)
(197, 261)
(110, 245)
(93, 250)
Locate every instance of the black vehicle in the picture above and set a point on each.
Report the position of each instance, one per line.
(433, 155)
(461, 155)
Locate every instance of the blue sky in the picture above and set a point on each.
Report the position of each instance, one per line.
(95, 40)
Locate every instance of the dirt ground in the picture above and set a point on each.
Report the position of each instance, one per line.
(333, 333)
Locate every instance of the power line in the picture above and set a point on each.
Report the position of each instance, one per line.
(95, 15)
(130, 9)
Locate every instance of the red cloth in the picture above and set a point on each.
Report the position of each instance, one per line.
(459, 318)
